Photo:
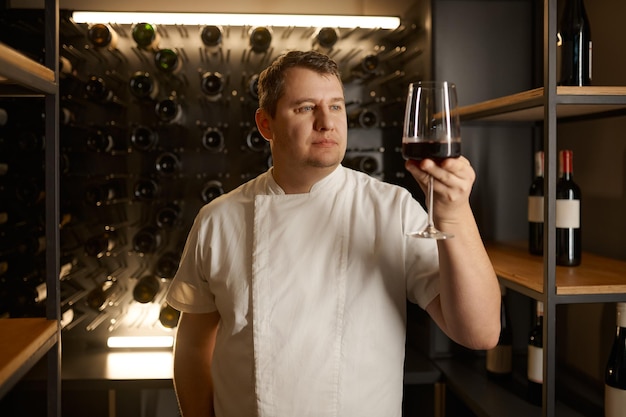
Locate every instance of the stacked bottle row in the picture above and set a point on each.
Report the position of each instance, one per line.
(22, 215)
(158, 121)
(568, 202)
(499, 360)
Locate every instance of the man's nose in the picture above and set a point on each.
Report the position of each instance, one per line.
(323, 120)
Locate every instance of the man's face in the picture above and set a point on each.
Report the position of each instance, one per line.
(310, 126)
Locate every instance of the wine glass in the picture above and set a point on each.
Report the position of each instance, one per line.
(431, 130)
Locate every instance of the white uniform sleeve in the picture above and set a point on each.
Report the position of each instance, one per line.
(190, 291)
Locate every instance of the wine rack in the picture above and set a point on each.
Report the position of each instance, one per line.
(152, 130)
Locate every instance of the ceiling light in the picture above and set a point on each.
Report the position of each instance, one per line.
(224, 19)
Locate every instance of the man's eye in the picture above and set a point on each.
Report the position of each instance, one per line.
(336, 107)
(303, 109)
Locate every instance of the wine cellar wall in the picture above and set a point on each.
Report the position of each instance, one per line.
(150, 133)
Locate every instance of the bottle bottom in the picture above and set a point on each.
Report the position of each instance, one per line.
(535, 393)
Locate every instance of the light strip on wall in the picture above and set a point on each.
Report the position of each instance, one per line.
(137, 342)
(285, 20)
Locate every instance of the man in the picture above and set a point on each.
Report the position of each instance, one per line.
(293, 286)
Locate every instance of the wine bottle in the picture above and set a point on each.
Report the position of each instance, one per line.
(32, 245)
(101, 245)
(568, 227)
(29, 192)
(499, 360)
(168, 164)
(102, 194)
(260, 38)
(147, 240)
(146, 289)
(169, 216)
(29, 141)
(102, 36)
(167, 265)
(169, 110)
(363, 163)
(253, 86)
(168, 61)
(143, 138)
(101, 140)
(66, 69)
(576, 45)
(211, 36)
(212, 84)
(255, 141)
(104, 294)
(169, 316)
(213, 140)
(97, 90)
(364, 69)
(535, 359)
(615, 372)
(4, 117)
(146, 36)
(326, 37)
(211, 190)
(67, 117)
(535, 208)
(146, 189)
(363, 118)
(143, 85)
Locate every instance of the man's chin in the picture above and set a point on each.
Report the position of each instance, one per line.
(316, 163)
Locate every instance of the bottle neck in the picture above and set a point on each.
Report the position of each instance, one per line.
(576, 8)
(621, 315)
(538, 164)
(566, 164)
(539, 313)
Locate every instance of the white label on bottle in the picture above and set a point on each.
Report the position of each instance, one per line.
(614, 401)
(535, 209)
(535, 364)
(568, 214)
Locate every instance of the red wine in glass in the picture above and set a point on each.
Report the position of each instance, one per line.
(437, 151)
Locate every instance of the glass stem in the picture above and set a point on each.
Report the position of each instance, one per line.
(431, 222)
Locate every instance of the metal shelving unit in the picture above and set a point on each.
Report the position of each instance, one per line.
(598, 279)
(25, 341)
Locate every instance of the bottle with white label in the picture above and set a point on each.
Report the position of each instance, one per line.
(535, 208)
(535, 359)
(615, 373)
(568, 227)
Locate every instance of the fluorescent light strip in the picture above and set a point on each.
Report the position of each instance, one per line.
(137, 342)
(285, 20)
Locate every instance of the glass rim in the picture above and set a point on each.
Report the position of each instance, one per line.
(433, 83)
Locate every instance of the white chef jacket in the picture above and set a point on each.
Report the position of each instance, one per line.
(311, 289)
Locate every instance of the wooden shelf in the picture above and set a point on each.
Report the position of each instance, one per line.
(595, 274)
(24, 341)
(20, 75)
(528, 106)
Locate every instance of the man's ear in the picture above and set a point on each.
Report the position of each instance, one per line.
(263, 124)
